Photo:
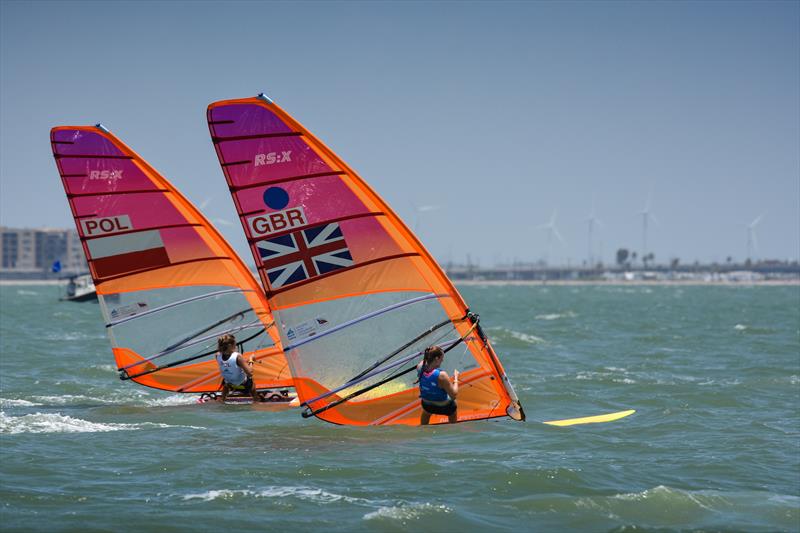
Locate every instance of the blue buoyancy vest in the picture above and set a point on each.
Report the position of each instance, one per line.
(231, 372)
(429, 389)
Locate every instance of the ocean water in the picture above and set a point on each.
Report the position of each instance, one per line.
(713, 372)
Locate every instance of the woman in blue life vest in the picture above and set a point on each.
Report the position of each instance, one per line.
(236, 374)
(438, 394)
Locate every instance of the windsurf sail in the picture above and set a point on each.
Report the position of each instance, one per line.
(168, 283)
(356, 296)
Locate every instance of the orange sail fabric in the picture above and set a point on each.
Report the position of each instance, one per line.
(356, 296)
(167, 282)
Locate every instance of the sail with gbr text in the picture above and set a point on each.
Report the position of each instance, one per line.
(167, 282)
(356, 296)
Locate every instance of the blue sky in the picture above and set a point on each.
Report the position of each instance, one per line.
(497, 113)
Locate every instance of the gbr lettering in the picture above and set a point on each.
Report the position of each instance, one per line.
(268, 223)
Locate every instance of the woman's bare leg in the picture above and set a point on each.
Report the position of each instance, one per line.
(425, 418)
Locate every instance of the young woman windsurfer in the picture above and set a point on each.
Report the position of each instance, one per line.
(438, 394)
(236, 374)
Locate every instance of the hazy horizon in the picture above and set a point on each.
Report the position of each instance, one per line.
(474, 121)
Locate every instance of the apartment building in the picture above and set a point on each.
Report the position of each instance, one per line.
(30, 253)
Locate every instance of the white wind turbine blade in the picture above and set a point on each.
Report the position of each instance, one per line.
(550, 223)
(649, 203)
(756, 221)
(593, 219)
(418, 210)
(654, 219)
(557, 234)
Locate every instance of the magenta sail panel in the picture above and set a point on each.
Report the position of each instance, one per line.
(156, 211)
(98, 176)
(81, 142)
(245, 120)
(268, 159)
(322, 199)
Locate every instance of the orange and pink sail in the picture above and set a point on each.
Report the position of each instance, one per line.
(356, 296)
(167, 282)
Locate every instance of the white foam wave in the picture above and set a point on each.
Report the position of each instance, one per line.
(126, 397)
(71, 336)
(11, 402)
(720, 382)
(174, 399)
(526, 337)
(611, 376)
(556, 316)
(740, 327)
(407, 511)
(23, 292)
(57, 423)
(500, 332)
(68, 399)
(710, 500)
(211, 495)
(301, 493)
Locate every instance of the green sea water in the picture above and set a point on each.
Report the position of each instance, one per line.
(713, 372)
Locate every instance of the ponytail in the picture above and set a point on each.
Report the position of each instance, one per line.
(431, 353)
(225, 340)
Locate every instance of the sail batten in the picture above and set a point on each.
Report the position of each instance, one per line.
(339, 269)
(378, 371)
(175, 304)
(365, 317)
(195, 342)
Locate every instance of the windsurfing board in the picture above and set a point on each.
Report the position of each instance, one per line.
(268, 396)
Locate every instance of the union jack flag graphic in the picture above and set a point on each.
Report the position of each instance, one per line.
(304, 254)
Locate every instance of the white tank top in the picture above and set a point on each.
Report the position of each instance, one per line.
(231, 372)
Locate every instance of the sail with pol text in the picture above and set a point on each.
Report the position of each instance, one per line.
(356, 296)
(167, 282)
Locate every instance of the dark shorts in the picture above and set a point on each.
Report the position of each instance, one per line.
(247, 386)
(447, 409)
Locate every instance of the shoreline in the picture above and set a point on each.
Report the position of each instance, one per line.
(765, 282)
(622, 283)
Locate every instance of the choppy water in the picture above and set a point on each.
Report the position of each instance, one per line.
(714, 373)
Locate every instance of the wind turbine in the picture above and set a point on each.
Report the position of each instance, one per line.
(418, 210)
(752, 242)
(646, 216)
(551, 229)
(592, 221)
(218, 221)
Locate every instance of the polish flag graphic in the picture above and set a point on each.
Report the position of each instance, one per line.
(131, 252)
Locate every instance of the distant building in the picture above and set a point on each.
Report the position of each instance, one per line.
(30, 253)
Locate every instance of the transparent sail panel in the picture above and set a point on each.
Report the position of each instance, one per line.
(333, 342)
(165, 326)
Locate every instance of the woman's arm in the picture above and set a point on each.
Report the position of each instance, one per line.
(450, 388)
(247, 367)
